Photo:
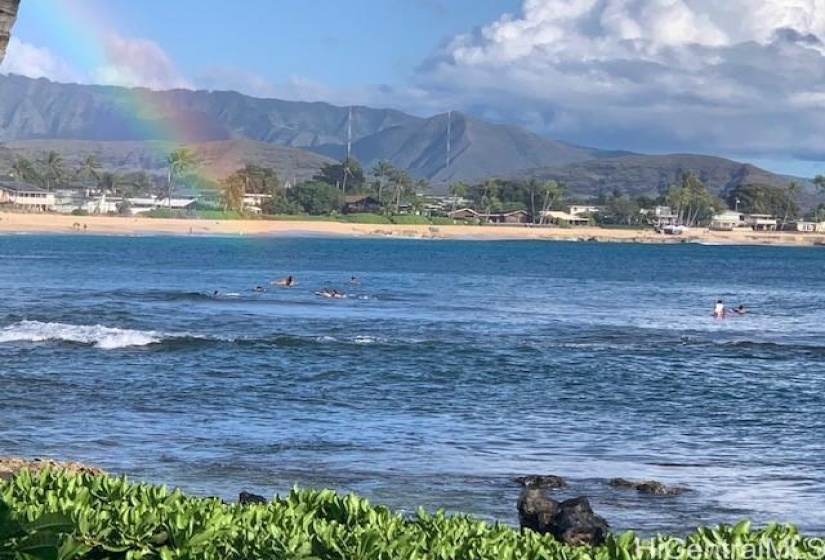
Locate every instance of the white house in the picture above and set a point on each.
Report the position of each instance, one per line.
(254, 202)
(564, 218)
(579, 209)
(21, 196)
(761, 222)
(727, 221)
(141, 205)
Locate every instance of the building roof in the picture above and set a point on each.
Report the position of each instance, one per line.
(556, 215)
(15, 187)
(356, 198)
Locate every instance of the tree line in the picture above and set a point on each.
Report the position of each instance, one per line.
(395, 190)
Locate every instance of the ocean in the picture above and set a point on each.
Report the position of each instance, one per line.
(451, 368)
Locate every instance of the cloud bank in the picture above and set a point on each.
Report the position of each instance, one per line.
(129, 62)
(730, 76)
(733, 77)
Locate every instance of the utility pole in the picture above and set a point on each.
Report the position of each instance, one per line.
(449, 137)
(349, 150)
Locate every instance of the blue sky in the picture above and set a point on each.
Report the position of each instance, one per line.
(740, 78)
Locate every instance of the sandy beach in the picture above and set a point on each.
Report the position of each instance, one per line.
(110, 225)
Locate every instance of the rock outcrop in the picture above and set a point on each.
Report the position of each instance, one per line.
(571, 522)
(649, 487)
(548, 481)
(8, 15)
(9, 466)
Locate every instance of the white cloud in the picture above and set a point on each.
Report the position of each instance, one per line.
(733, 76)
(129, 63)
(137, 62)
(36, 62)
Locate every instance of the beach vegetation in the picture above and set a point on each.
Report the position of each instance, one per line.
(364, 218)
(409, 220)
(755, 198)
(178, 163)
(348, 176)
(317, 197)
(74, 516)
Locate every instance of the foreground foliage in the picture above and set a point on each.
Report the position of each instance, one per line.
(113, 518)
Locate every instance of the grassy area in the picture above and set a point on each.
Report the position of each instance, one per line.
(364, 218)
(57, 515)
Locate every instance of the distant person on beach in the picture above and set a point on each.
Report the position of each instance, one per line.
(719, 310)
(289, 281)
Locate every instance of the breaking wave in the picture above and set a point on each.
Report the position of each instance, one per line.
(99, 336)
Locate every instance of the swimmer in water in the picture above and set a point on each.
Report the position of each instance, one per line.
(288, 282)
(741, 310)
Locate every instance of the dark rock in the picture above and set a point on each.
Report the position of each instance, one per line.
(245, 498)
(649, 487)
(541, 481)
(576, 524)
(535, 510)
(571, 522)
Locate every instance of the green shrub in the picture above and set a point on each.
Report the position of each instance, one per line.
(221, 215)
(410, 220)
(166, 213)
(444, 221)
(364, 218)
(113, 518)
(299, 218)
(80, 212)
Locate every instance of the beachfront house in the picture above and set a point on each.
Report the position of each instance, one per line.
(661, 217)
(580, 209)
(254, 202)
(143, 204)
(727, 221)
(361, 203)
(25, 197)
(463, 214)
(761, 222)
(807, 226)
(511, 217)
(565, 219)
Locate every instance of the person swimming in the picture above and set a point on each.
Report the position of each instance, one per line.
(328, 292)
(741, 310)
(289, 281)
(258, 289)
(353, 280)
(719, 310)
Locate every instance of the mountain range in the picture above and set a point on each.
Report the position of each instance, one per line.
(129, 129)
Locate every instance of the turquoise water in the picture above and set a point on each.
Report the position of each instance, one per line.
(453, 367)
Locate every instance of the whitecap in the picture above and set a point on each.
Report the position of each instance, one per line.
(107, 338)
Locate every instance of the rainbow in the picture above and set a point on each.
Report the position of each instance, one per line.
(81, 32)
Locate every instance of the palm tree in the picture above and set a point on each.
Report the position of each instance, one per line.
(8, 10)
(87, 170)
(793, 191)
(178, 162)
(458, 190)
(552, 191)
(109, 182)
(819, 181)
(51, 169)
(23, 170)
(382, 170)
(403, 182)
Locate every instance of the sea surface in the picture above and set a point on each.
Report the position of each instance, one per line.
(450, 369)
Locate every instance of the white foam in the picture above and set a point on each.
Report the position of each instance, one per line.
(107, 338)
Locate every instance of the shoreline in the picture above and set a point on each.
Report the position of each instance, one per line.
(20, 223)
